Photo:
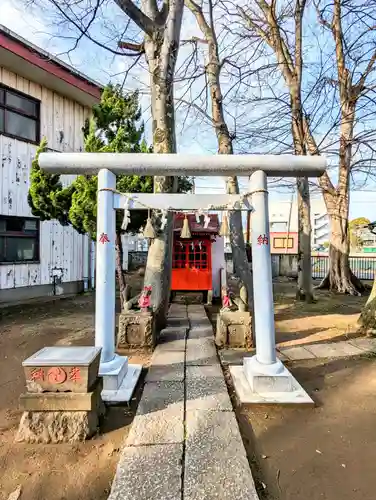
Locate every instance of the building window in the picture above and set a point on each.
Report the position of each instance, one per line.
(19, 239)
(278, 227)
(19, 115)
(283, 243)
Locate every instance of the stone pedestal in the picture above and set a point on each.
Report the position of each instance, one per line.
(234, 329)
(62, 369)
(63, 401)
(257, 383)
(136, 329)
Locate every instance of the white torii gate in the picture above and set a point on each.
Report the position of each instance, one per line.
(263, 374)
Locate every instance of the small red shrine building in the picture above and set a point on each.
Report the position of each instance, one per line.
(197, 261)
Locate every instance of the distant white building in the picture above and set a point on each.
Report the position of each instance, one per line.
(283, 218)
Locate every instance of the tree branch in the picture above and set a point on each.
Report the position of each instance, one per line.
(138, 17)
(135, 48)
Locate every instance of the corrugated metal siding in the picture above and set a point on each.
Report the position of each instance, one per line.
(60, 247)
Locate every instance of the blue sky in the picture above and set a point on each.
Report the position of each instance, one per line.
(193, 134)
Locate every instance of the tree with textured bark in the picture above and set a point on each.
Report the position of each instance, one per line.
(157, 39)
(350, 25)
(224, 137)
(262, 20)
(161, 27)
(114, 127)
(334, 113)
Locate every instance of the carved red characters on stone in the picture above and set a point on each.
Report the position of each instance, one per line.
(56, 375)
(75, 374)
(37, 374)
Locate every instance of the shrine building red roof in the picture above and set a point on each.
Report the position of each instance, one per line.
(194, 226)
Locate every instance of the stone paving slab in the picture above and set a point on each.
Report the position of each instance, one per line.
(177, 322)
(166, 365)
(206, 389)
(148, 473)
(216, 465)
(160, 415)
(366, 344)
(199, 332)
(234, 356)
(334, 350)
(297, 353)
(201, 351)
(172, 339)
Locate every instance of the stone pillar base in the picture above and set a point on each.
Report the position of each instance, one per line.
(234, 329)
(136, 330)
(57, 426)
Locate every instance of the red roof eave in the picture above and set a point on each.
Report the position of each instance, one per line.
(50, 66)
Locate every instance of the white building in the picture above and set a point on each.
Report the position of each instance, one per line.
(40, 96)
(283, 218)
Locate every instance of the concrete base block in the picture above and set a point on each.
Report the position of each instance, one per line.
(123, 393)
(63, 401)
(113, 372)
(261, 378)
(279, 389)
(57, 426)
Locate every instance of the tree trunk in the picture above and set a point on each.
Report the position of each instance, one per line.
(367, 319)
(213, 68)
(119, 269)
(239, 254)
(161, 50)
(340, 277)
(304, 289)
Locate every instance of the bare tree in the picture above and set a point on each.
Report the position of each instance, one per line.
(265, 22)
(332, 114)
(354, 71)
(224, 137)
(155, 35)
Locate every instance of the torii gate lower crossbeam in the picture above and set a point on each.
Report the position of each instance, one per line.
(262, 378)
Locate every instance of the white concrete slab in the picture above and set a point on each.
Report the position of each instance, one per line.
(125, 391)
(114, 375)
(63, 356)
(245, 395)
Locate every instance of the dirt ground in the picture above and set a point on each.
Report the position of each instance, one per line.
(341, 428)
(60, 472)
(331, 318)
(324, 453)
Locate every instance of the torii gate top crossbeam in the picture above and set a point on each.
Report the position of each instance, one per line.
(182, 164)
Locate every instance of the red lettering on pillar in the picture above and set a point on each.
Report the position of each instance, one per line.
(262, 239)
(103, 238)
